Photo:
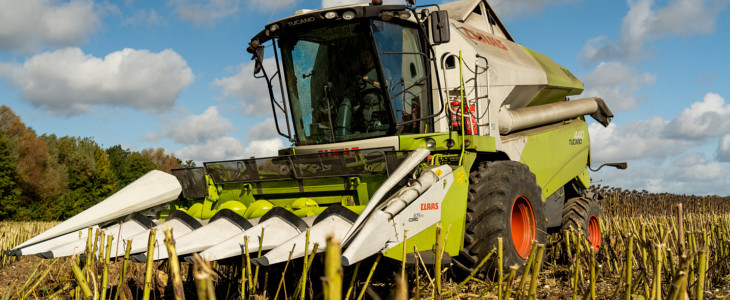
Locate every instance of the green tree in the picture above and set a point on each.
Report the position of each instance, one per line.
(164, 162)
(38, 176)
(89, 172)
(138, 165)
(189, 164)
(9, 189)
(105, 182)
(118, 161)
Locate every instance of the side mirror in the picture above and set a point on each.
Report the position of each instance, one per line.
(618, 165)
(255, 48)
(440, 27)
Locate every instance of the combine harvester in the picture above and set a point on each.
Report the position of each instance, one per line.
(403, 117)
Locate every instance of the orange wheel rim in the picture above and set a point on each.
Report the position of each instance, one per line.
(522, 220)
(594, 229)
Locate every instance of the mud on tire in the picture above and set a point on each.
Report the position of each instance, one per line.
(584, 212)
(504, 201)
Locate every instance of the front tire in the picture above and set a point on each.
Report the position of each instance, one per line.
(504, 201)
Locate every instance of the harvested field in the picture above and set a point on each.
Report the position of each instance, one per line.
(669, 254)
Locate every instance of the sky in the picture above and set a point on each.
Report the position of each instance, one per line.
(175, 74)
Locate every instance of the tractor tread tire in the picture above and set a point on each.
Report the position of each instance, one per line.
(577, 213)
(493, 188)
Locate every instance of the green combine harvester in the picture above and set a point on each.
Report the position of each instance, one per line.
(402, 118)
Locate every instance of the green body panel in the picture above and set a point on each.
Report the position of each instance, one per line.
(561, 82)
(474, 142)
(453, 220)
(584, 179)
(319, 191)
(557, 153)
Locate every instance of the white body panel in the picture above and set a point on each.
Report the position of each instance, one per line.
(152, 189)
(79, 235)
(405, 168)
(385, 228)
(334, 226)
(139, 241)
(276, 231)
(204, 237)
(124, 230)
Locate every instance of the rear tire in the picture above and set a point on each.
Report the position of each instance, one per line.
(504, 201)
(585, 213)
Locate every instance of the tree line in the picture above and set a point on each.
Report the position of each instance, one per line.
(45, 177)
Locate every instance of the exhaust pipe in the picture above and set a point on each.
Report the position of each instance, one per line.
(334, 221)
(278, 224)
(152, 189)
(511, 120)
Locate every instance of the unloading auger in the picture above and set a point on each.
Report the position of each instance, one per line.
(403, 118)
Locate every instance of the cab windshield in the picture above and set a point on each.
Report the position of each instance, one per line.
(337, 88)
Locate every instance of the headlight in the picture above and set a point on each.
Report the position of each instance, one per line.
(274, 27)
(430, 144)
(404, 15)
(348, 15)
(330, 15)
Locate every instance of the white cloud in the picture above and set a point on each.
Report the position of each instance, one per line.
(251, 92)
(207, 139)
(30, 25)
(269, 6)
(618, 84)
(69, 82)
(227, 148)
(709, 118)
(659, 139)
(669, 156)
(634, 140)
(196, 128)
(645, 23)
(723, 149)
(204, 12)
(511, 8)
(695, 167)
(209, 12)
(264, 148)
(264, 130)
(145, 17)
(689, 174)
(223, 148)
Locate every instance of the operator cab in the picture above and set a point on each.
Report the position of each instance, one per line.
(352, 79)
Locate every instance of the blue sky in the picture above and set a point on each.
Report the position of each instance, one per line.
(175, 74)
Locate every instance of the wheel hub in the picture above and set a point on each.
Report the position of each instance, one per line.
(522, 219)
(594, 231)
